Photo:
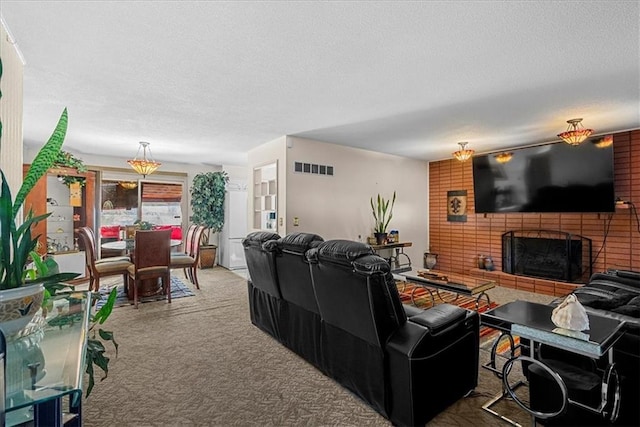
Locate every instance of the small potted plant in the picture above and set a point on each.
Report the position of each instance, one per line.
(207, 205)
(382, 214)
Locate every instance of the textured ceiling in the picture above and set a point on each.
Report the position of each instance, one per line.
(206, 81)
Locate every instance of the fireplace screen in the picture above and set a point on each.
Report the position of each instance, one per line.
(554, 255)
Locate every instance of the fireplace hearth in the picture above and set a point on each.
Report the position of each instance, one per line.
(546, 254)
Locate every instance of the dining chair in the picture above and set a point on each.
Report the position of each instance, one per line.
(151, 261)
(101, 267)
(188, 261)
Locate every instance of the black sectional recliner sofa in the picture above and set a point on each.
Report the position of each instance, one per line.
(335, 304)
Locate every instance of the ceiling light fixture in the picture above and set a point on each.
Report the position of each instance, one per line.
(575, 133)
(463, 154)
(128, 185)
(606, 141)
(503, 157)
(144, 166)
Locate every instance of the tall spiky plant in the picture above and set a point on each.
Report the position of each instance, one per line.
(382, 213)
(16, 243)
(17, 247)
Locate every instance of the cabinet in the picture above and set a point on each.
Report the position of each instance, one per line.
(265, 199)
(57, 234)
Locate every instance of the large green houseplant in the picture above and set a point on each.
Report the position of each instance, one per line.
(21, 268)
(382, 214)
(207, 206)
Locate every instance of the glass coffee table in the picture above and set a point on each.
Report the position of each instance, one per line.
(459, 284)
(532, 322)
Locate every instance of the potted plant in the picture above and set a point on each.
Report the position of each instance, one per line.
(382, 214)
(207, 205)
(17, 287)
(66, 161)
(27, 281)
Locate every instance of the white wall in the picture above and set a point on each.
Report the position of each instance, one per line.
(338, 207)
(237, 174)
(11, 111)
(272, 151)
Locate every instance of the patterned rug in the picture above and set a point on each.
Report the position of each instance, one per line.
(178, 290)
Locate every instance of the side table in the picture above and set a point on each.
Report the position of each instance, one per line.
(532, 321)
(398, 260)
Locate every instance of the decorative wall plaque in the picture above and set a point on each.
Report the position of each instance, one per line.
(457, 205)
(75, 194)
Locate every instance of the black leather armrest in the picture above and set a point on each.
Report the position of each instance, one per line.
(440, 317)
(411, 310)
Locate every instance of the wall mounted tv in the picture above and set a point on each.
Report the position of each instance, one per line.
(553, 177)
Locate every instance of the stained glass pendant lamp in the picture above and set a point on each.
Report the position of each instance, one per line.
(144, 166)
(575, 133)
(463, 154)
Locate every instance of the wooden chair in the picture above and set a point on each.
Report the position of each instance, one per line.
(151, 261)
(188, 260)
(101, 267)
(188, 241)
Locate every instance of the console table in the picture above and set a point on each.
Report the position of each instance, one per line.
(394, 253)
(48, 364)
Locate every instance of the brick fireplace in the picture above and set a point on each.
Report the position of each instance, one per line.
(458, 244)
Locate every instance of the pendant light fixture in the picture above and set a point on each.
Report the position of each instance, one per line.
(463, 154)
(144, 166)
(575, 133)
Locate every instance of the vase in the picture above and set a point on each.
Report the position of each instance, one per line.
(488, 264)
(430, 260)
(381, 238)
(18, 306)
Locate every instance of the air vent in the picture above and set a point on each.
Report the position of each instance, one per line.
(312, 168)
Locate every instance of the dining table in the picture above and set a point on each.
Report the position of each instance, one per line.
(129, 244)
(147, 287)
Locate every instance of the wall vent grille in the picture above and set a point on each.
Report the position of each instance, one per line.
(313, 168)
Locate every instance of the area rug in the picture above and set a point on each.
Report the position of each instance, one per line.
(178, 290)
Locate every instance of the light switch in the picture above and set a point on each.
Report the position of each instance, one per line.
(296, 221)
(281, 222)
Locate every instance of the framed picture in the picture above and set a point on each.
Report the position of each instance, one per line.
(457, 206)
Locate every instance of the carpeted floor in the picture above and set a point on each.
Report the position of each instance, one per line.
(200, 362)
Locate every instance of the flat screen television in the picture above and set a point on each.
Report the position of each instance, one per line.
(553, 177)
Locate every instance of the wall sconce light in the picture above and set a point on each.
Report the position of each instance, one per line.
(503, 157)
(605, 142)
(144, 166)
(575, 133)
(463, 154)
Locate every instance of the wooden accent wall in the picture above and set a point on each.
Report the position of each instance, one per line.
(459, 243)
